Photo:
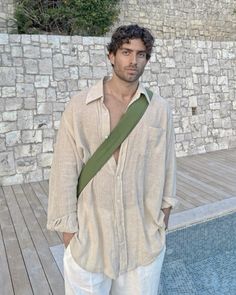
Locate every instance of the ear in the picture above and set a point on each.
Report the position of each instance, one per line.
(111, 57)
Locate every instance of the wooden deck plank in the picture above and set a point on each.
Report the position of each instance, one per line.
(47, 267)
(35, 269)
(204, 187)
(40, 214)
(45, 186)
(194, 190)
(185, 203)
(41, 195)
(33, 266)
(210, 161)
(221, 162)
(5, 277)
(223, 155)
(212, 179)
(191, 198)
(19, 276)
(213, 168)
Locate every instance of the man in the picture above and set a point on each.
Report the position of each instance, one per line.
(114, 233)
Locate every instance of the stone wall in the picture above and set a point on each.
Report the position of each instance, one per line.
(168, 19)
(185, 19)
(39, 74)
(7, 23)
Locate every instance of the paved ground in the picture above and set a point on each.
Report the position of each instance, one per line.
(206, 187)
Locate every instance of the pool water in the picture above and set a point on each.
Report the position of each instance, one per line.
(201, 259)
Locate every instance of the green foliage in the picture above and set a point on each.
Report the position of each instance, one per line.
(70, 17)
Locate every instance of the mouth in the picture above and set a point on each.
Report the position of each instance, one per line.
(132, 70)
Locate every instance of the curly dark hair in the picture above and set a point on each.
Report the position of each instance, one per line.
(124, 34)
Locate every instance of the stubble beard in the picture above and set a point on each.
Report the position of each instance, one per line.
(130, 78)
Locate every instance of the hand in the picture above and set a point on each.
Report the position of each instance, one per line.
(66, 238)
(166, 211)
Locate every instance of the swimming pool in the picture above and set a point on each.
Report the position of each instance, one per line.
(201, 259)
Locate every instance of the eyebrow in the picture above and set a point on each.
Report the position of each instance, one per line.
(130, 50)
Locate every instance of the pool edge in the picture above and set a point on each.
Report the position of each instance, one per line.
(201, 214)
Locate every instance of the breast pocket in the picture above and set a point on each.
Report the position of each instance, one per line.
(152, 140)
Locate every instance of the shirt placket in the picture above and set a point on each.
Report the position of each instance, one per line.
(118, 192)
(119, 210)
(105, 123)
(119, 201)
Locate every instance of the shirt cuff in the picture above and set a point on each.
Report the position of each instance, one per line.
(169, 202)
(67, 224)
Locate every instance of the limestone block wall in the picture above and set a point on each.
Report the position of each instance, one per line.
(7, 23)
(39, 74)
(185, 19)
(169, 19)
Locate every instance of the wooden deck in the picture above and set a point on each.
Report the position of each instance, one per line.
(206, 178)
(26, 263)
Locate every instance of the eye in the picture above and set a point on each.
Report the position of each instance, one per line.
(142, 54)
(125, 52)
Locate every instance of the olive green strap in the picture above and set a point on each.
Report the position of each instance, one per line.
(126, 124)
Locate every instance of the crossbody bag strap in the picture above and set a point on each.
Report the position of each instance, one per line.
(104, 152)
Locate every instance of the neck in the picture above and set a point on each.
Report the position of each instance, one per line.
(125, 90)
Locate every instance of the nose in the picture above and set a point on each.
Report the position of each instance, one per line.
(133, 59)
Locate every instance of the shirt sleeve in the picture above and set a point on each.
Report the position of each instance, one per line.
(169, 195)
(65, 169)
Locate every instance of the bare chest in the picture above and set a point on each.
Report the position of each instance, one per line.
(116, 110)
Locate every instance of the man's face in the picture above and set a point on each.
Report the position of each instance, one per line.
(129, 61)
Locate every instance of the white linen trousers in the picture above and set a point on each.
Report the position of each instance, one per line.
(144, 280)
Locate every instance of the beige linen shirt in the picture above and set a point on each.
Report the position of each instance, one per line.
(118, 219)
